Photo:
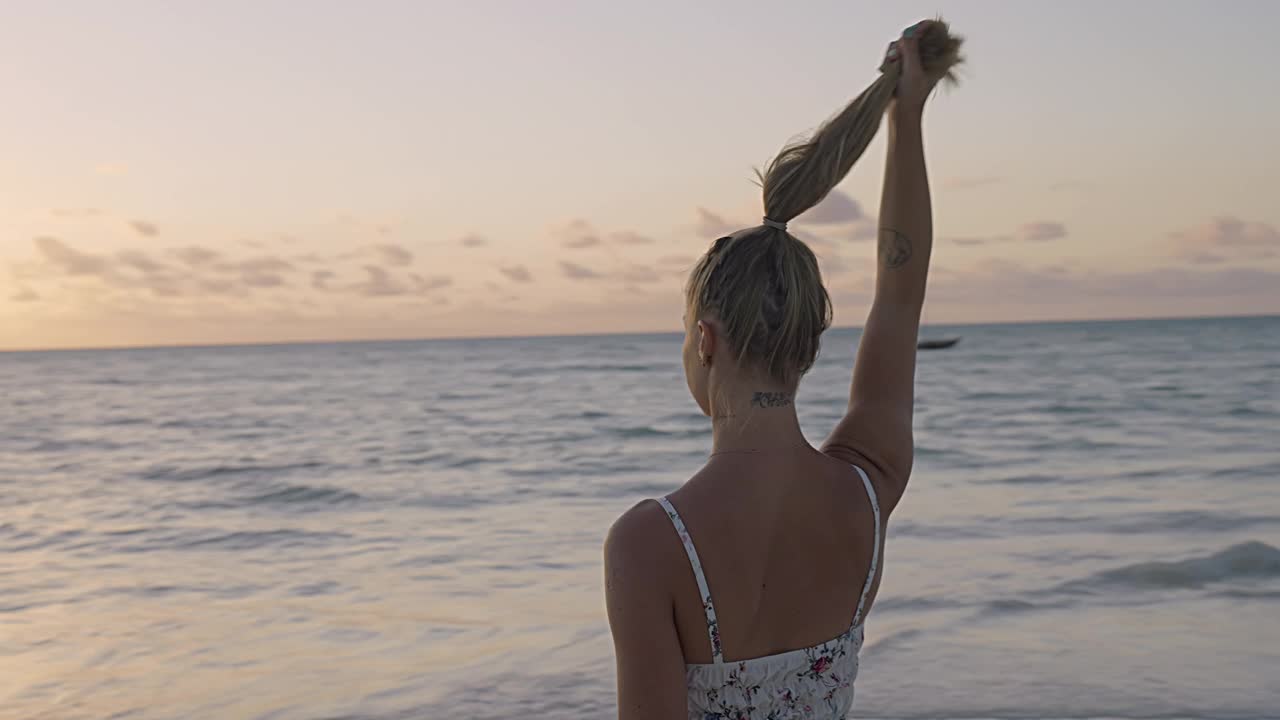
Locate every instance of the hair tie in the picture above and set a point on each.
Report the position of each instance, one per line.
(774, 224)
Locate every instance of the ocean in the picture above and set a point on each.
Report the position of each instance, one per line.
(404, 530)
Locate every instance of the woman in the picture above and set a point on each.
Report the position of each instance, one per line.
(743, 593)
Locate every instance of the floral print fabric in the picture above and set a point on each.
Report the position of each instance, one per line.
(812, 683)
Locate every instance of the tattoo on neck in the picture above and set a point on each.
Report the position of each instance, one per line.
(770, 399)
(894, 248)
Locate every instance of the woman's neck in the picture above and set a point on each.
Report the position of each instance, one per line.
(755, 420)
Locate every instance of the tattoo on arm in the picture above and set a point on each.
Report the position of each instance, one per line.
(770, 399)
(894, 248)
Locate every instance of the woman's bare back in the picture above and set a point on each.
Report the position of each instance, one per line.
(785, 541)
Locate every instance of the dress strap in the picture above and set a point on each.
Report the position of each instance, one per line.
(713, 627)
(875, 548)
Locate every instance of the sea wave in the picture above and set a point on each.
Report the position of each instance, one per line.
(637, 432)
(173, 473)
(251, 540)
(1247, 560)
(1177, 521)
(303, 495)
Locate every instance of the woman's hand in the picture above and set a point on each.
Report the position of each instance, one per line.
(915, 84)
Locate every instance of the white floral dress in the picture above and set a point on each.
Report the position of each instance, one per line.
(813, 682)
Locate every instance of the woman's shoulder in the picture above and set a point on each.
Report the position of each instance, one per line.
(642, 539)
(887, 489)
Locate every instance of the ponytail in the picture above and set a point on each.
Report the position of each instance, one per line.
(804, 172)
(763, 284)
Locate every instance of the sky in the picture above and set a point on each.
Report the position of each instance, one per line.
(274, 171)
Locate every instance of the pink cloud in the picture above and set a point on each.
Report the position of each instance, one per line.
(578, 234)
(144, 228)
(837, 208)
(139, 261)
(69, 260)
(626, 237)
(1230, 233)
(1042, 231)
(517, 273)
(433, 282)
(577, 272)
(710, 225)
(393, 255)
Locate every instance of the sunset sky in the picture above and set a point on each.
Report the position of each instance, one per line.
(234, 171)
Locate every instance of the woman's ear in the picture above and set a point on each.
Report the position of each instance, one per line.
(706, 342)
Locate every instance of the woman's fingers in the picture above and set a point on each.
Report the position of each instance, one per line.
(910, 48)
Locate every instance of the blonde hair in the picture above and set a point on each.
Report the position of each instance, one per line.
(763, 284)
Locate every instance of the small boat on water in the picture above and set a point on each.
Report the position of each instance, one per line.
(938, 344)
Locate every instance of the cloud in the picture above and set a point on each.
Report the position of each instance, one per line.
(129, 269)
(24, 295)
(516, 273)
(584, 241)
(1228, 234)
(199, 270)
(261, 264)
(144, 228)
(262, 280)
(473, 241)
(424, 285)
(219, 286)
(69, 260)
(578, 234)
(969, 183)
(378, 283)
(577, 272)
(195, 256)
(393, 255)
(1042, 231)
(320, 279)
(626, 237)
(195, 271)
(712, 226)
(139, 261)
(1085, 291)
(161, 286)
(837, 208)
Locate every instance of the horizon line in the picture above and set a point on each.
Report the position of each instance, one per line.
(456, 338)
